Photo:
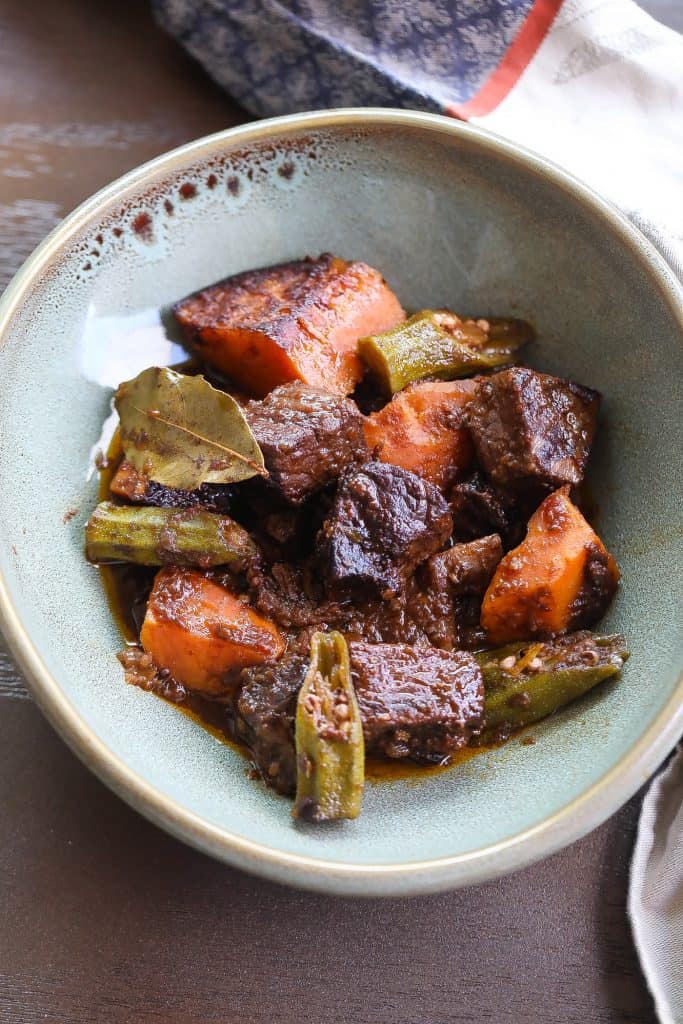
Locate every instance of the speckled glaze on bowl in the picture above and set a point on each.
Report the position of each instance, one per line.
(453, 217)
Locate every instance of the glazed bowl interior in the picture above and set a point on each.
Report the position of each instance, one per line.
(452, 218)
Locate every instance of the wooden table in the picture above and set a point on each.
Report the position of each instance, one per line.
(104, 918)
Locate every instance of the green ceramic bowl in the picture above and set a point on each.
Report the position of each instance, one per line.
(453, 217)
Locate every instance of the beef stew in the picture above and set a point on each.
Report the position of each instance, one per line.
(327, 548)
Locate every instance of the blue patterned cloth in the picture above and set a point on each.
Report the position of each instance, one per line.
(277, 57)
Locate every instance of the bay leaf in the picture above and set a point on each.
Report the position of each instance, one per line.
(181, 432)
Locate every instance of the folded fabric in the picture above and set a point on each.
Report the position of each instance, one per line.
(596, 86)
(656, 896)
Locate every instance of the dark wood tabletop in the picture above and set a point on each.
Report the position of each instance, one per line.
(104, 918)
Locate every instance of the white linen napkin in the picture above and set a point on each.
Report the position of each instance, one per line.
(655, 902)
(603, 97)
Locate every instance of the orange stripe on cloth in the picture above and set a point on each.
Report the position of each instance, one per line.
(507, 74)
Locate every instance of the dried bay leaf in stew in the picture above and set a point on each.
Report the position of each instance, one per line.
(181, 432)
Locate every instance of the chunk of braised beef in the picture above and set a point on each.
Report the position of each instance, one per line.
(308, 436)
(284, 532)
(291, 594)
(532, 430)
(479, 509)
(281, 530)
(466, 568)
(384, 521)
(444, 600)
(140, 490)
(397, 618)
(416, 702)
(264, 718)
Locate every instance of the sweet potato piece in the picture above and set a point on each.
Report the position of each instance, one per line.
(128, 483)
(420, 430)
(560, 578)
(295, 321)
(199, 631)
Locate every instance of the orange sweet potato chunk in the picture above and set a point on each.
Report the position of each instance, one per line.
(421, 430)
(560, 578)
(128, 483)
(295, 321)
(199, 631)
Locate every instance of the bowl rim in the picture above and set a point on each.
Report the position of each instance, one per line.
(567, 824)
